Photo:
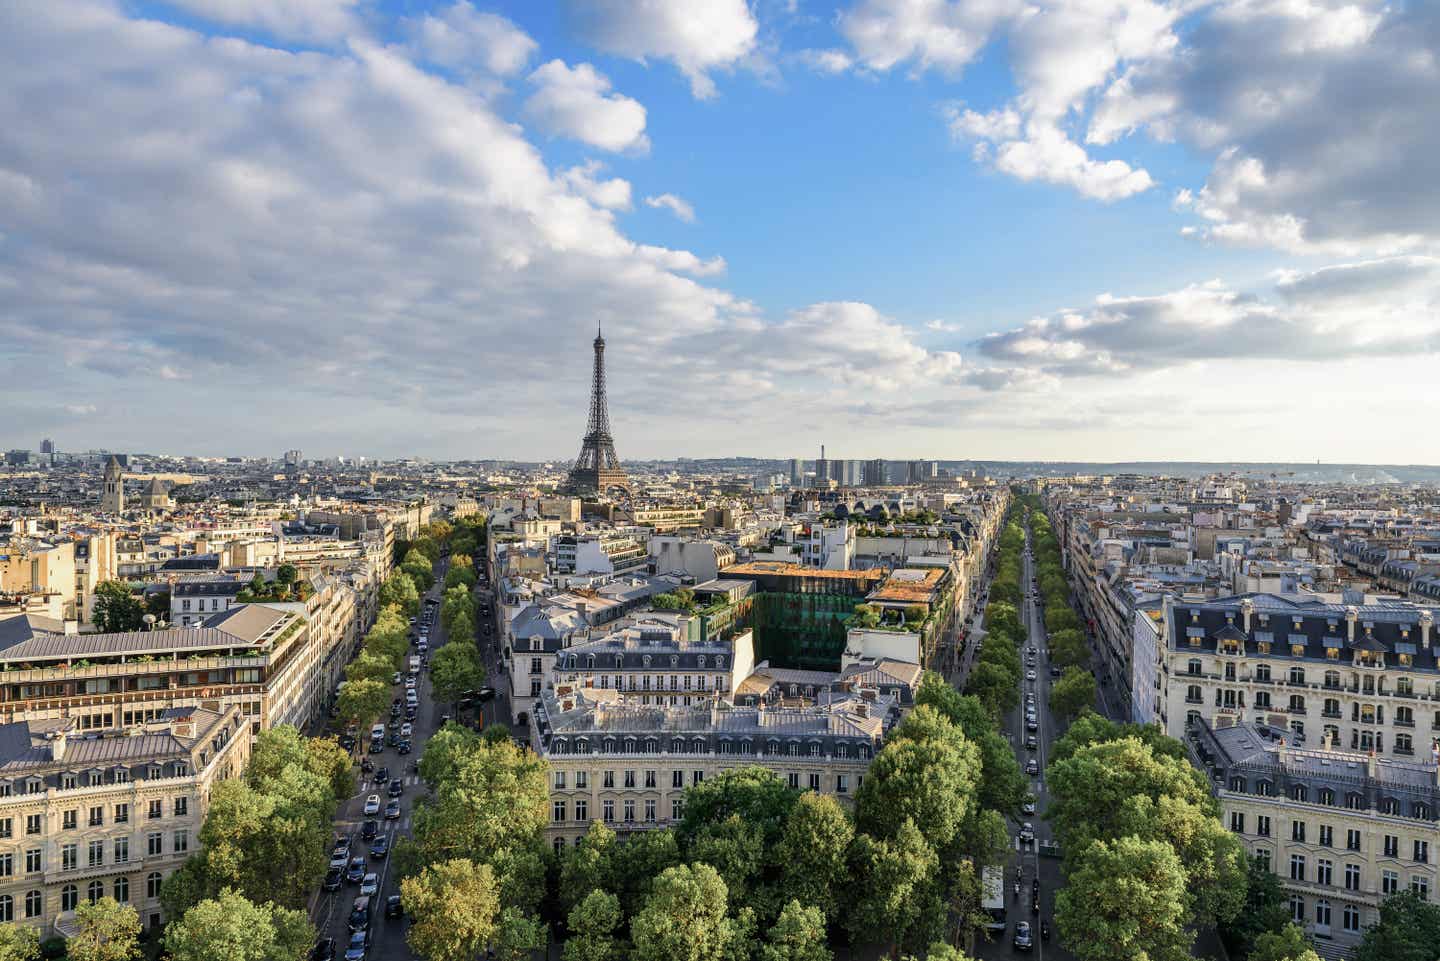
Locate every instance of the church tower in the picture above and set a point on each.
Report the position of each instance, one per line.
(113, 500)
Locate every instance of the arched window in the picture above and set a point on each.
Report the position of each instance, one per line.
(94, 891)
(701, 661)
(1297, 675)
(69, 897)
(34, 904)
(152, 885)
(559, 845)
(122, 889)
(629, 745)
(1332, 679)
(674, 659)
(719, 660)
(1299, 793)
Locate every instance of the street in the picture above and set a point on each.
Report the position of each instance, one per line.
(330, 911)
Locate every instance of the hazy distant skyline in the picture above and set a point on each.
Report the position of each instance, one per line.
(1099, 230)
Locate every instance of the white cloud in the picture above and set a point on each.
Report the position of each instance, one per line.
(676, 205)
(612, 194)
(462, 37)
(287, 19)
(826, 61)
(577, 103)
(943, 327)
(941, 34)
(696, 37)
(80, 410)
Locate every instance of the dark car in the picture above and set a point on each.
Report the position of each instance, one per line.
(392, 811)
(1054, 671)
(393, 908)
(381, 847)
(397, 787)
(1023, 940)
(1032, 742)
(403, 747)
(367, 765)
(360, 914)
(485, 693)
(359, 944)
(1030, 725)
(333, 878)
(341, 845)
(347, 741)
(382, 775)
(394, 711)
(356, 872)
(369, 829)
(1031, 767)
(324, 950)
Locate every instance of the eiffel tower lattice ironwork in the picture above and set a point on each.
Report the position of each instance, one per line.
(598, 469)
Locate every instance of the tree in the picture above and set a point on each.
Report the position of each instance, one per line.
(106, 930)
(1072, 693)
(325, 757)
(592, 926)
(1287, 944)
(634, 866)
(361, 702)
(399, 590)
(117, 608)
(19, 943)
(926, 774)
(372, 665)
(890, 885)
(585, 867)
(268, 847)
(232, 927)
(460, 575)
(941, 951)
(520, 935)
(1124, 901)
(683, 918)
(755, 794)
(1408, 930)
(811, 853)
(461, 628)
(286, 575)
(1265, 910)
(454, 910)
(997, 688)
(1068, 649)
(798, 935)
(441, 758)
(454, 670)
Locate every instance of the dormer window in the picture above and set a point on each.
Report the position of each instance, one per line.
(182, 768)
(645, 660)
(701, 662)
(153, 773)
(674, 660)
(719, 660)
(67, 781)
(33, 785)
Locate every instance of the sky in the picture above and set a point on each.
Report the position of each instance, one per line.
(995, 229)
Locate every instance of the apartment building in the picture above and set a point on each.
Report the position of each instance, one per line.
(1362, 671)
(106, 812)
(653, 662)
(193, 599)
(258, 658)
(1342, 830)
(608, 553)
(628, 765)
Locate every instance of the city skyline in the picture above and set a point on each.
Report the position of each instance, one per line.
(1096, 232)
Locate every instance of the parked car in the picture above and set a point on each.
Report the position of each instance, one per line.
(1032, 742)
(383, 774)
(370, 885)
(397, 788)
(334, 877)
(360, 914)
(1023, 940)
(403, 747)
(1029, 675)
(395, 678)
(372, 805)
(359, 944)
(1030, 725)
(1028, 807)
(356, 873)
(485, 693)
(393, 908)
(380, 847)
(407, 729)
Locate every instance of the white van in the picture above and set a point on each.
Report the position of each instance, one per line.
(415, 664)
(377, 733)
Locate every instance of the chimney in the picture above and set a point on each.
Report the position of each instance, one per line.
(862, 708)
(1351, 617)
(1427, 621)
(1372, 766)
(1282, 752)
(1247, 609)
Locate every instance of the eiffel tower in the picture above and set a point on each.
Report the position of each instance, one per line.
(598, 469)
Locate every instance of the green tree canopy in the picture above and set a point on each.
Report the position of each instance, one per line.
(593, 923)
(117, 608)
(1287, 944)
(683, 917)
(362, 702)
(19, 942)
(1073, 693)
(927, 773)
(105, 930)
(1124, 901)
(454, 670)
(1265, 910)
(234, 928)
(995, 687)
(812, 851)
(454, 907)
(587, 867)
(1408, 930)
(798, 935)
(1068, 649)
(891, 887)
(372, 665)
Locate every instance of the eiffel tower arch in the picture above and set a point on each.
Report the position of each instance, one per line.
(598, 470)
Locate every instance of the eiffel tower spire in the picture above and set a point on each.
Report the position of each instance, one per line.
(598, 468)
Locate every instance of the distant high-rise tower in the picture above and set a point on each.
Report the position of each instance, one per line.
(47, 446)
(113, 500)
(797, 472)
(598, 469)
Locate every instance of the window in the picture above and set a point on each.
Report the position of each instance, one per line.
(1389, 882)
(696, 777)
(7, 908)
(559, 780)
(1327, 836)
(1297, 831)
(534, 665)
(153, 880)
(122, 850)
(677, 809)
(1422, 852)
(1193, 694)
(607, 779)
(34, 860)
(629, 812)
(1262, 825)
(1352, 877)
(650, 809)
(1351, 918)
(792, 780)
(842, 784)
(1420, 885)
(1352, 840)
(1297, 908)
(182, 806)
(1297, 675)
(558, 845)
(154, 810)
(122, 889)
(1297, 867)
(7, 865)
(582, 811)
(1392, 846)
(558, 812)
(97, 853)
(122, 814)
(630, 780)
(69, 857)
(650, 778)
(1193, 666)
(535, 688)
(814, 782)
(608, 811)
(1263, 856)
(1322, 913)
(1324, 869)
(34, 823)
(34, 904)
(677, 779)
(582, 780)
(7, 827)
(153, 844)
(182, 842)
(69, 819)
